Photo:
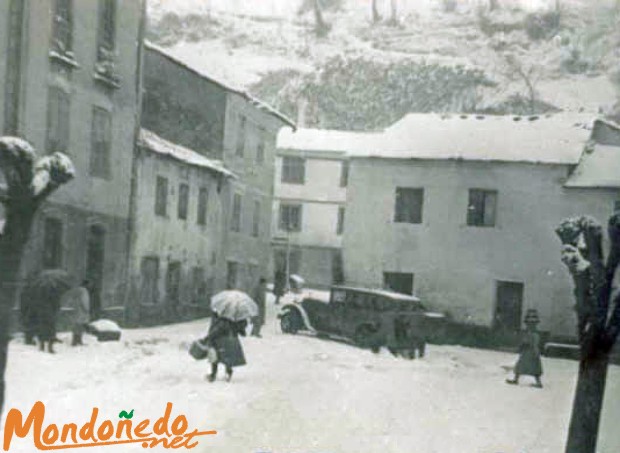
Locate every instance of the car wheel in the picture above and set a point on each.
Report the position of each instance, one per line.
(290, 322)
(363, 337)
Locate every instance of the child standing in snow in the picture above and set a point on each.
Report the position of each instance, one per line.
(529, 362)
(223, 337)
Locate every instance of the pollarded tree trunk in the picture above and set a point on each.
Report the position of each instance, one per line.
(29, 183)
(597, 328)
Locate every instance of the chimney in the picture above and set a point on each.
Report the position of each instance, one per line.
(302, 108)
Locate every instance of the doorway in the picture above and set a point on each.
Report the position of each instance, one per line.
(173, 283)
(508, 306)
(95, 256)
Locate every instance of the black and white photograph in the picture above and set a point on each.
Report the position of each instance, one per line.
(310, 226)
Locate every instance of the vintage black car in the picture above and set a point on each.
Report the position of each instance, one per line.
(370, 318)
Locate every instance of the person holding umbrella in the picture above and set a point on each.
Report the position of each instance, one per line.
(231, 310)
(43, 293)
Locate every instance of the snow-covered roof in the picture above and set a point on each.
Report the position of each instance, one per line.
(155, 143)
(260, 105)
(552, 139)
(337, 142)
(599, 167)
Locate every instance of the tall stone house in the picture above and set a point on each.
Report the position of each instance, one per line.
(69, 73)
(236, 133)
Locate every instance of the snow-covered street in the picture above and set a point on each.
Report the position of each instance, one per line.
(301, 394)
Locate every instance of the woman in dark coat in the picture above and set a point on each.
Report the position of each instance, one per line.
(529, 362)
(223, 337)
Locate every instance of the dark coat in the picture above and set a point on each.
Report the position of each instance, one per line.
(279, 284)
(529, 362)
(39, 313)
(223, 336)
(259, 298)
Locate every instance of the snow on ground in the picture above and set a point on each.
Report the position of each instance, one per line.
(301, 394)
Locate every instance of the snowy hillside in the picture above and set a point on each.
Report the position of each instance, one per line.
(305, 394)
(570, 57)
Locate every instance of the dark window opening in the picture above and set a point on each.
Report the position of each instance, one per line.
(290, 217)
(409, 205)
(203, 200)
(240, 146)
(293, 170)
(62, 26)
(183, 201)
(107, 27)
(340, 225)
(344, 174)
(481, 210)
(161, 196)
(256, 220)
(398, 282)
(101, 137)
(235, 222)
(58, 121)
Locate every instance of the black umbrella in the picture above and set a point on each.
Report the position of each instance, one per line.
(50, 284)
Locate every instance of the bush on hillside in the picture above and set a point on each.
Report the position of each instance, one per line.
(358, 93)
(542, 25)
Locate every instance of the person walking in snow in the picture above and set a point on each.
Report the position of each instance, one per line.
(223, 337)
(529, 363)
(259, 297)
(78, 298)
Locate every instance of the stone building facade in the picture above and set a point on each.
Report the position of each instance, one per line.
(70, 75)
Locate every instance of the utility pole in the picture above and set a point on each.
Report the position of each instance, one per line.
(288, 254)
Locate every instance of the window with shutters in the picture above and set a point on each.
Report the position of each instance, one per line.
(101, 139)
(58, 121)
(183, 201)
(256, 220)
(409, 205)
(293, 170)
(260, 147)
(290, 217)
(481, 209)
(161, 196)
(62, 26)
(240, 145)
(235, 221)
(340, 225)
(344, 174)
(203, 200)
(107, 26)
